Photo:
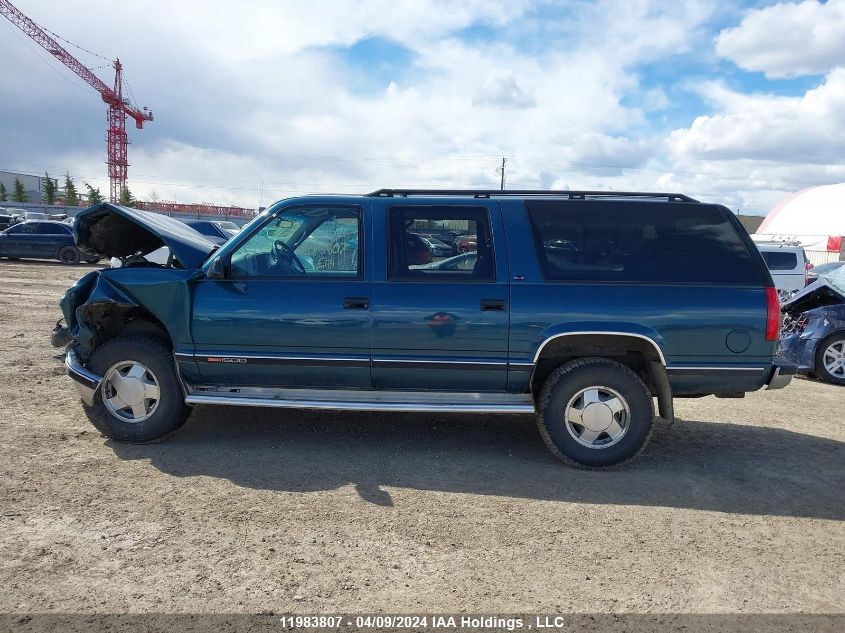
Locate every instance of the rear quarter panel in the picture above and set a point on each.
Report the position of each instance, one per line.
(690, 323)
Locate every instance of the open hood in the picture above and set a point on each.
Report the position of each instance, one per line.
(817, 294)
(108, 230)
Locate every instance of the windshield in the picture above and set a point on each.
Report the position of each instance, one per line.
(837, 279)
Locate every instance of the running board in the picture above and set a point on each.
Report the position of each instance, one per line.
(352, 400)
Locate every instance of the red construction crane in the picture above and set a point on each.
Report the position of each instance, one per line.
(119, 108)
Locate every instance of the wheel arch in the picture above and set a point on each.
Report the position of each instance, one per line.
(108, 319)
(639, 352)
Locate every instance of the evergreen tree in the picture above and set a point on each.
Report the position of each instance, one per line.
(71, 196)
(94, 195)
(18, 193)
(126, 198)
(49, 189)
(3, 195)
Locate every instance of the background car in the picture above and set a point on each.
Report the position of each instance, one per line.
(438, 248)
(465, 261)
(787, 263)
(823, 270)
(42, 240)
(227, 225)
(417, 250)
(30, 215)
(160, 257)
(211, 230)
(465, 244)
(813, 330)
(6, 220)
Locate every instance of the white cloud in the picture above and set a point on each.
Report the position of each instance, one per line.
(257, 101)
(807, 129)
(655, 99)
(501, 89)
(788, 39)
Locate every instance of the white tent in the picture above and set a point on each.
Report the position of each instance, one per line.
(815, 217)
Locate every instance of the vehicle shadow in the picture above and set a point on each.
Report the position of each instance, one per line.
(699, 465)
(818, 381)
(52, 263)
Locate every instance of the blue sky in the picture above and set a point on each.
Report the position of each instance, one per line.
(738, 104)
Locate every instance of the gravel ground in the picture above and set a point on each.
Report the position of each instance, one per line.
(737, 508)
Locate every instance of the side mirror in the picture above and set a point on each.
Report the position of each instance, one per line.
(217, 269)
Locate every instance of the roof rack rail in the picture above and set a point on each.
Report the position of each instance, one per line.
(487, 193)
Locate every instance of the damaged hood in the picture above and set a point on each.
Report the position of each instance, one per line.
(817, 294)
(108, 230)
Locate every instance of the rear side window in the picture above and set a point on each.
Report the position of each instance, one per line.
(51, 229)
(25, 228)
(469, 257)
(638, 242)
(780, 260)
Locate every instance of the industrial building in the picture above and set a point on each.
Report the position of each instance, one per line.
(33, 185)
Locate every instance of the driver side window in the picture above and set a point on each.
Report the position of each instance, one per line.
(315, 242)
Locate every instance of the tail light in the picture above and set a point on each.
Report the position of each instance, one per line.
(772, 314)
(808, 266)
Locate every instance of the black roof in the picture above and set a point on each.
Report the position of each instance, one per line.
(568, 194)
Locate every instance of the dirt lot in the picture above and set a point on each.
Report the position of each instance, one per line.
(737, 508)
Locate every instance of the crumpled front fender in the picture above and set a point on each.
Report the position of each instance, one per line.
(100, 303)
(87, 303)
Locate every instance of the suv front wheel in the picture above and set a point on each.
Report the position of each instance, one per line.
(595, 413)
(139, 399)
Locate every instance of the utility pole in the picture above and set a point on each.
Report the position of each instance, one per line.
(501, 170)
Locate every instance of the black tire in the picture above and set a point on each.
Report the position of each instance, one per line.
(818, 362)
(170, 410)
(69, 255)
(570, 379)
(92, 260)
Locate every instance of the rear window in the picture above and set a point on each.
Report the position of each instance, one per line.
(780, 260)
(638, 242)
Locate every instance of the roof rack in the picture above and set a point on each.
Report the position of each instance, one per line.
(488, 193)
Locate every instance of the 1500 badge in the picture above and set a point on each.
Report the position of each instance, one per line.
(225, 359)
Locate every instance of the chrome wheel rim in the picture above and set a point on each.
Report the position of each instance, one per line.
(834, 359)
(597, 417)
(130, 391)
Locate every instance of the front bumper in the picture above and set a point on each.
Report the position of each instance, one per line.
(86, 382)
(782, 374)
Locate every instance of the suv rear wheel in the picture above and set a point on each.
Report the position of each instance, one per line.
(139, 399)
(595, 413)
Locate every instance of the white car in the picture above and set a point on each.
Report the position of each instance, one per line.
(228, 226)
(31, 215)
(158, 256)
(787, 262)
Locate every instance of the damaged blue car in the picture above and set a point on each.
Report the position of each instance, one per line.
(813, 332)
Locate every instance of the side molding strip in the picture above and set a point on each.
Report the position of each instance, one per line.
(367, 405)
